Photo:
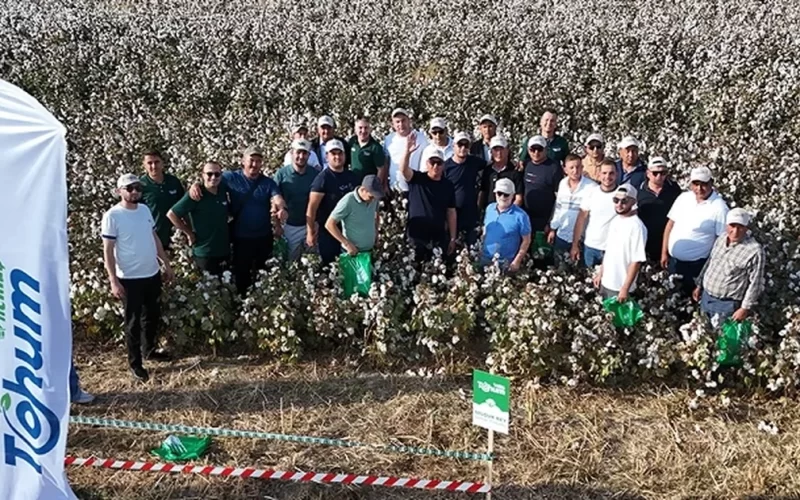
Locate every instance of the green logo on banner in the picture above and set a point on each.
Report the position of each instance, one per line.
(5, 402)
(490, 401)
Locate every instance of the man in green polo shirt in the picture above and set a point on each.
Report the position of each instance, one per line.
(294, 183)
(160, 191)
(358, 213)
(366, 154)
(208, 233)
(557, 147)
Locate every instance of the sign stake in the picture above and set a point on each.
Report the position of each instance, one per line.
(490, 464)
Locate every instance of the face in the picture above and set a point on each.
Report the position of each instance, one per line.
(701, 190)
(153, 165)
(401, 124)
(301, 134)
(608, 176)
(435, 168)
(363, 130)
(594, 149)
(657, 176)
(300, 157)
(462, 149)
(629, 155)
(325, 132)
(131, 193)
(365, 195)
(336, 159)
(549, 123)
(736, 232)
(622, 204)
(573, 169)
(488, 130)
(212, 175)
(252, 165)
(439, 135)
(503, 200)
(537, 153)
(499, 155)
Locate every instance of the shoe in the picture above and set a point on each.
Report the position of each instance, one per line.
(158, 355)
(82, 398)
(140, 373)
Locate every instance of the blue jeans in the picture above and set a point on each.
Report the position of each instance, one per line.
(74, 381)
(562, 245)
(712, 306)
(592, 256)
(689, 269)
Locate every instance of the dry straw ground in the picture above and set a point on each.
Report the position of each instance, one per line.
(565, 444)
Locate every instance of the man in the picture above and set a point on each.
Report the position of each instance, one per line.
(696, 219)
(630, 168)
(482, 148)
(625, 251)
(254, 200)
(300, 132)
(656, 196)
(439, 140)
(357, 212)
(328, 188)
(540, 179)
(160, 191)
(131, 251)
(598, 209)
(499, 168)
(571, 191)
(294, 183)
(395, 148)
(594, 147)
(326, 131)
(366, 154)
(208, 233)
(432, 214)
(557, 147)
(732, 278)
(464, 171)
(506, 229)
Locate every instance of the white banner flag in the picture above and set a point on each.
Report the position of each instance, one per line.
(35, 328)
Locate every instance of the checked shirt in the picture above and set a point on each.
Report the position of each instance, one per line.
(734, 271)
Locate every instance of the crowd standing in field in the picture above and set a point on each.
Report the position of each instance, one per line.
(545, 202)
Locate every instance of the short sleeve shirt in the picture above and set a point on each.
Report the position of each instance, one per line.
(254, 219)
(295, 189)
(600, 206)
(334, 185)
(465, 178)
(134, 245)
(428, 202)
(358, 220)
(503, 232)
(159, 198)
(366, 160)
(395, 146)
(541, 184)
(624, 249)
(209, 219)
(697, 225)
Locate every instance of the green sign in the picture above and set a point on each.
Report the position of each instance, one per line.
(490, 401)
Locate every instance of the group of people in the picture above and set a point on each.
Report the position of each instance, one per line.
(608, 215)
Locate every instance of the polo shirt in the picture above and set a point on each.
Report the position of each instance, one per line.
(481, 150)
(313, 160)
(503, 232)
(295, 189)
(600, 206)
(653, 211)
(159, 198)
(541, 183)
(625, 248)
(447, 152)
(557, 149)
(134, 246)
(358, 220)
(395, 147)
(465, 178)
(334, 185)
(253, 217)
(209, 219)
(366, 160)
(568, 206)
(635, 177)
(428, 202)
(491, 175)
(697, 225)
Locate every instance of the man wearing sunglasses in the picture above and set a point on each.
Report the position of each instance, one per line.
(696, 220)
(656, 197)
(594, 147)
(500, 167)
(160, 191)
(439, 140)
(624, 253)
(207, 230)
(556, 146)
(630, 168)
(131, 251)
(482, 148)
(541, 178)
(506, 229)
(464, 171)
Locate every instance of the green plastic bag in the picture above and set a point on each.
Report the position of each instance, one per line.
(733, 336)
(627, 313)
(541, 249)
(357, 273)
(280, 250)
(182, 448)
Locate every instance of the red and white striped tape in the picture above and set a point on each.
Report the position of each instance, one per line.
(300, 477)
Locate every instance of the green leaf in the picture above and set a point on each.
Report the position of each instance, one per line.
(5, 402)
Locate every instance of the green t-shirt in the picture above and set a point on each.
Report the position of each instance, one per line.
(295, 189)
(557, 149)
(209, 220)
(366, 160)
(159, 198)
(358, 220)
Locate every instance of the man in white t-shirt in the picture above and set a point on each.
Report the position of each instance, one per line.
(395, 147)
(598, 208)
(300, 132)
(625, 251)
(571, 191)
(440, 139)
(696, 219)
(131, 250)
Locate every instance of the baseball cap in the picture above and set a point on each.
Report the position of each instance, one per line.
(400, 111)
(657, 162)
(436, 153)
(326, 120)
(372, 184)
(595, 137)
(505, 186)
(461, 136)
(702, 174)
(438, 123)
(126, 180)
(488, 118)
(253, 151)
(334, 144)
(498, 141)
(301, 145)
(537, 140)
(628, 191)
(738, 216)
(627, 142)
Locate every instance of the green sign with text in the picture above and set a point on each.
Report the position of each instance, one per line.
(490, 401)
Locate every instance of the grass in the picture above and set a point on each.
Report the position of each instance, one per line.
(565, 443)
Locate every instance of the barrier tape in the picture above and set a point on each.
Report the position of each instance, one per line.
(266, 474)
(212, 431)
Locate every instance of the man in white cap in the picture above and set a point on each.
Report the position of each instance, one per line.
(301, 132)
(540, 180)
(500, 167)
(597, 207)
(696, 219)
(630, 168)
(487, 124)
(394, 145)
(506, 229)
(625, 251)
(571, 191)
(440, 140)
(294, 183)
(326, 131)
(594, 147)
(464, 171)
(556, 146)
(733, 277)
(131, 251)
(656, 197)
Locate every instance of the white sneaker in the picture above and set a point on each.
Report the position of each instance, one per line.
(82, 398)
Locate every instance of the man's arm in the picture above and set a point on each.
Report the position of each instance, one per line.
(633, 271)
(333, 228)
(580, 227)
(179, 223)
(111, 267)
(162, 255)
(665, 243)
(314, 200)
(756, 286)
(452, 229)
(411, 146)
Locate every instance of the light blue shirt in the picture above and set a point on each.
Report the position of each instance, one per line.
(503, 232)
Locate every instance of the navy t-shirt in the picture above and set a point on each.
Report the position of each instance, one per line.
(465, 178)
(253, 218)
(541, 184)
(428, 201)
(334, 185)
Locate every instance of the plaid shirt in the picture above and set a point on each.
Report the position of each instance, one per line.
(734, 271)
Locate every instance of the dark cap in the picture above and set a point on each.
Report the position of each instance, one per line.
(373, 185)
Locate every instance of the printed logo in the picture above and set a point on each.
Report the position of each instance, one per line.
(174, 191)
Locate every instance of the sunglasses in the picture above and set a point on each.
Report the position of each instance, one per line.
(134, 187)
(214, 175)
(502, 195)
(536, 149)
(620, 201)
(595, 146)
(437, 131)
(463, 144)
(699, 183)
(435, 163)
(658, 172)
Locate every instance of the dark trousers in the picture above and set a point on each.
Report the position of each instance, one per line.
(689, 270)
(250, 255)
(423, 248)
(329, 247)
(142, 315)
(212, 265)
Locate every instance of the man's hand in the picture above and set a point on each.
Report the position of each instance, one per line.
(664, 260)
(169, 274)
(622, 296)
(277, 231)
(515, 265)
(551, 237)
(116, 289)
(411, 143)
(596, 279)
(191, 238)
(352, 250)
(575, 253)
(195, 192)
(311, 239)
(740, 314)
(451, 247)
(696, 293)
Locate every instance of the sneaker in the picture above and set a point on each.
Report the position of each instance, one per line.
(140, 373)
(82, 398)
(158, 355)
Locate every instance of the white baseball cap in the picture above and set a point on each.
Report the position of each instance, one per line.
(628, 191)
(488, 118)
(702, 174)
(461, 136)
(505, 186)
(400, 111)
(326, 120)
(438, 123)
(498, 141)
(436, 153)
(301, 145)
(333, 145)
(126, 180)
(738, 216)
(656, 161)
(627, 142)
(537, 140)
(595, 137)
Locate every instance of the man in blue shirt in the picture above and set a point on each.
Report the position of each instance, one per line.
(630, 168)
(464, 171)
(506, 229)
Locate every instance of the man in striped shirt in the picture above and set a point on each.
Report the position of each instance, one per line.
(733, 277)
